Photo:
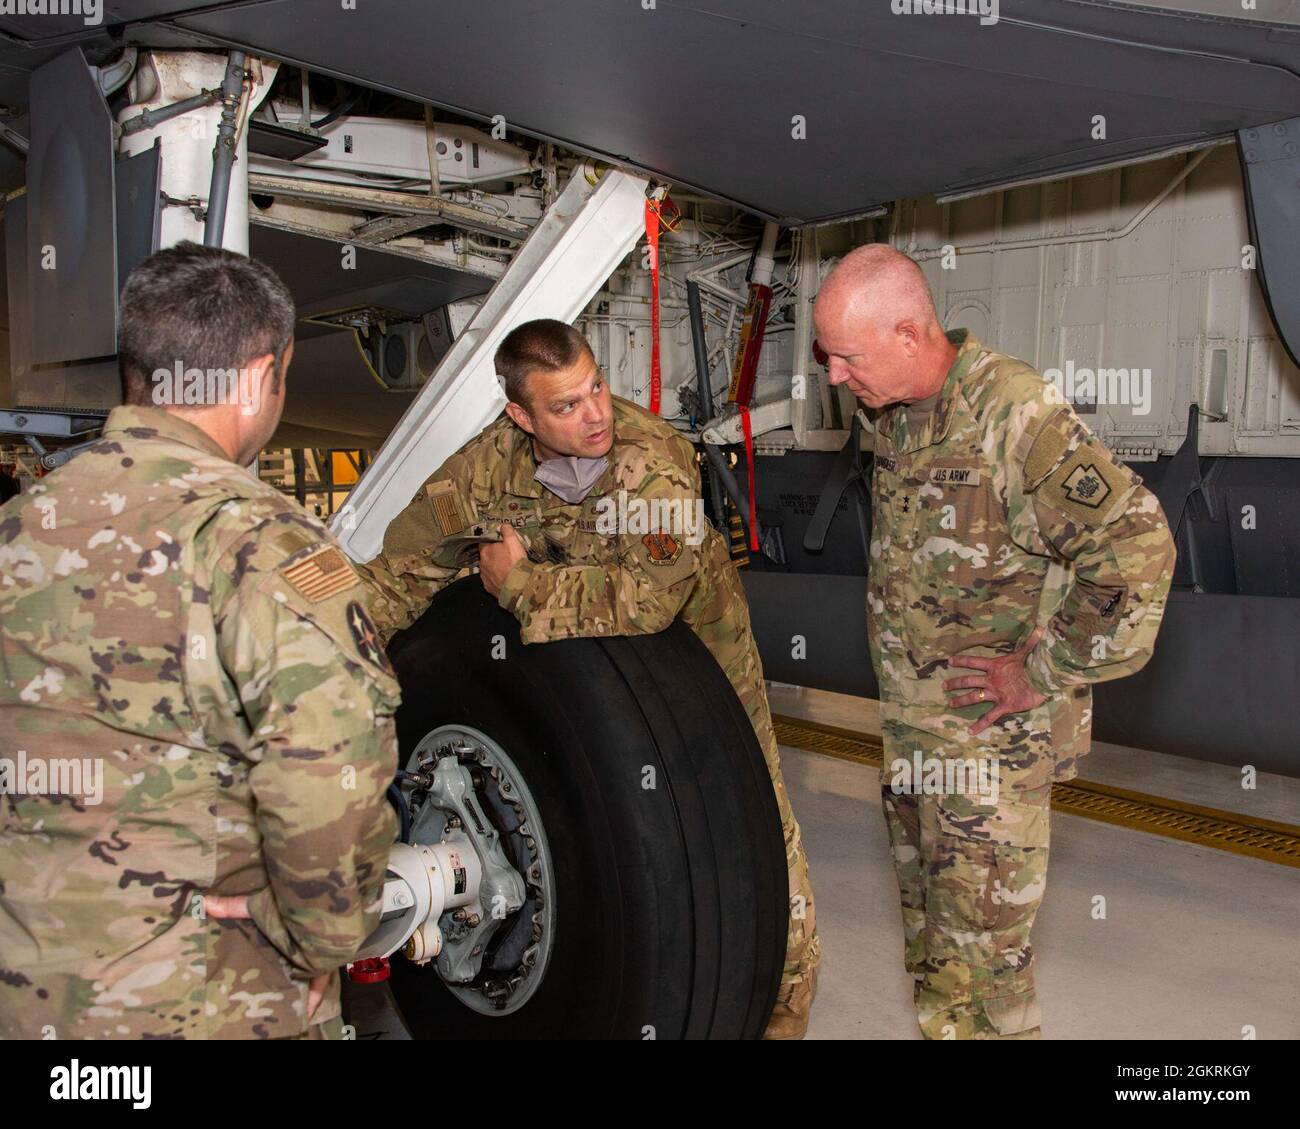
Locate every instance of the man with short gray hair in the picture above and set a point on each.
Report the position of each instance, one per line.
(1013, 562)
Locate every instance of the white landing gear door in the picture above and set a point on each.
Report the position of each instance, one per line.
(565, 260)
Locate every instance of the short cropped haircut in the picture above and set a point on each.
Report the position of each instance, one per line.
(200, 307)
(544, 345)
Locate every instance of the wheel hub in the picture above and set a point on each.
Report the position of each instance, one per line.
(467, 792)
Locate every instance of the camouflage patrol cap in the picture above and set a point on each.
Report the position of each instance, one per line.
(460, 550)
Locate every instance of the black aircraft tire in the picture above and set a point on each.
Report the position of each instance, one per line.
(671, 892)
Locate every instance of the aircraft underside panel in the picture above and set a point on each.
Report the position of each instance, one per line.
(809, 111)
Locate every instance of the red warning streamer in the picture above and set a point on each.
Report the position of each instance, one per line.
(749, 469)
(652, 237)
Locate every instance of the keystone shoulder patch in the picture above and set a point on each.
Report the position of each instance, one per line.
(1086, 486)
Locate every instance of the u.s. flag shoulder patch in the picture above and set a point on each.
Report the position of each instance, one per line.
(322, 574)
(447, 508)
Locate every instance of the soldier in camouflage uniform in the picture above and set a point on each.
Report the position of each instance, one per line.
(564, 573)
(1008, 541)
(204, 642)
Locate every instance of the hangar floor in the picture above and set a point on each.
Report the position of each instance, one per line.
(1197, 943)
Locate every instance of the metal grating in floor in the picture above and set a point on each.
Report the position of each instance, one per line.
(1206, 827)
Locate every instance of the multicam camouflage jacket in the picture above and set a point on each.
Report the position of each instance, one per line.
(198, 645)
(634, 555)
(997, 511)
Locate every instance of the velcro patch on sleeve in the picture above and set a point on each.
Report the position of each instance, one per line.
(323, 574)
(1087, 487)
(294, 539)
(448, 509)
(1049, 447)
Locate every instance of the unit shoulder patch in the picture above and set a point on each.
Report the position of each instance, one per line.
(661, 548)
(665, 558)
(320, 575)
(366, 638)
(1087, 487)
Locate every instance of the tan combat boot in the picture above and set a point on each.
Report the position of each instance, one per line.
(790, 1016)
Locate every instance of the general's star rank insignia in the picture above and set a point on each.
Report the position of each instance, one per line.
(1086, 486)
(366, 637)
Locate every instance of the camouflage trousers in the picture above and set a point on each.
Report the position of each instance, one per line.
(971, 862)
(803, 951)
(723, 626)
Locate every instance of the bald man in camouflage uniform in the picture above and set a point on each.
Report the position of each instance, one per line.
(578, 580)
(199, 643)
(1006, 539)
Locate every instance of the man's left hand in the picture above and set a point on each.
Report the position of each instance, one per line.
(1001, 681)
(497, 558)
